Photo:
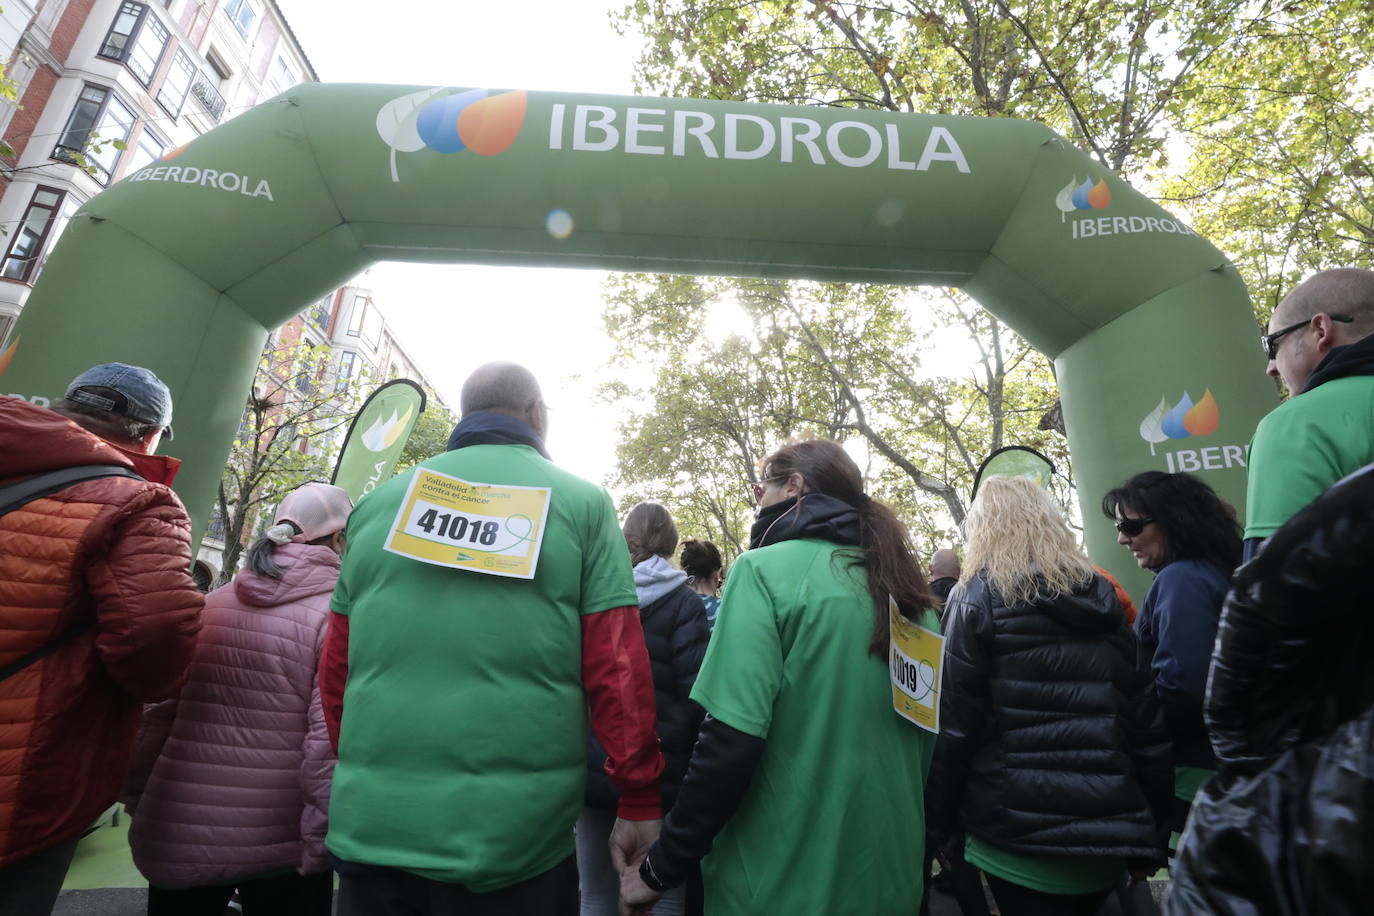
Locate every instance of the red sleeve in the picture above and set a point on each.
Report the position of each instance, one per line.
(620, 692)
(334, 675)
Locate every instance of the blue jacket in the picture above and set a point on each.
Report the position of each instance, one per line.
(1177, 627)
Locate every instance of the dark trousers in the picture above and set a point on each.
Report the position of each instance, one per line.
(961, 881)
(1015, 900)
(369, 891)
(280, 895)
(30, 886)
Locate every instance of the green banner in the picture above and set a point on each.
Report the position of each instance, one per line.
(1015, 461)
(185, 265)
(377, 437)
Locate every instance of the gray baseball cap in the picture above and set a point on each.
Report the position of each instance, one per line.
(141, 394)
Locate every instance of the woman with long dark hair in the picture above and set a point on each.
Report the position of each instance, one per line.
(1052, 755)
(1178, 528)
(804, 791)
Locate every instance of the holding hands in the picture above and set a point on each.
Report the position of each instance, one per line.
(630, 842)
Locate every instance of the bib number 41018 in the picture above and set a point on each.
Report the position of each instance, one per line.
(456, 527)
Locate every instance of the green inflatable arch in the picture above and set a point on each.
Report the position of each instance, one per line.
(185, 265)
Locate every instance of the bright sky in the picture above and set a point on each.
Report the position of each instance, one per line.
(552, 318)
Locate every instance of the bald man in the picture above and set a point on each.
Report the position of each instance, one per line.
(457, 683)
(944, 573)
(1321, 346)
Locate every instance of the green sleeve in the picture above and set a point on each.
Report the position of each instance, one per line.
(1293, 459)
(607, 581)
(742, 672)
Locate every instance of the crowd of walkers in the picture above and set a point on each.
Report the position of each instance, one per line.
(348, 713)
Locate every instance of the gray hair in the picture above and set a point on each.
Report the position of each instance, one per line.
(103, 423)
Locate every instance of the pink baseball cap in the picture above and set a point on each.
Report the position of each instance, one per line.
(318, 509)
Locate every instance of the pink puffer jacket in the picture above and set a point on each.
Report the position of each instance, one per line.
(231, 778)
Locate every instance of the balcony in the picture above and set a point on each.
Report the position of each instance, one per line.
(208, 96)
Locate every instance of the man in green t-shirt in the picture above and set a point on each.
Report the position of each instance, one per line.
(1321, 345)
(485, 606)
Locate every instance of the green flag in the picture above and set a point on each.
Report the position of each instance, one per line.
(1015, 461)
(377, 436)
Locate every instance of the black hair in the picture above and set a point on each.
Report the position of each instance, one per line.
(262, 558)
(700, 559)
(1197, 523)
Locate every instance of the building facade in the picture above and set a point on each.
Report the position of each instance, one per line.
(106, 86)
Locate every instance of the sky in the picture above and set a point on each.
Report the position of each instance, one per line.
(550, 320)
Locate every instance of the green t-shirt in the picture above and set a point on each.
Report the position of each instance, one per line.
(834, 820)
(463, 751)
(1047, 874)
(1304, 446)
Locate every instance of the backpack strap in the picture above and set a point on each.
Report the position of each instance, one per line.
(14, 495)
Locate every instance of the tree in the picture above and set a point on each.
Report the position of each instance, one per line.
(292, 428)
(1263, 106)
(430, 435)
(834, 360)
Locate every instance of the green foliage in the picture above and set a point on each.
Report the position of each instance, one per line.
(430, 435)
(1254, 118)
(839, 361)
(292, 428)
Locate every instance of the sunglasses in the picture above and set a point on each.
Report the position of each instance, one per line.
(1269, 343)
(1131, 527)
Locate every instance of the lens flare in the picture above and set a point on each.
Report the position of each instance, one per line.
(559, 223)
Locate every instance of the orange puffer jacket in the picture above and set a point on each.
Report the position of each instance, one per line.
(117, 550)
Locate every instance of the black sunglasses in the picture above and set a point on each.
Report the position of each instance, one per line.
(1131, 527)
(1269, 343)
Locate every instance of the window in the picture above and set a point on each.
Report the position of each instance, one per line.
(319, 313)
(147, 53)
(365, 322)
(172, 95)
(6, 325)
(120, 37)
(148, 149)
(280, 78)
(98, 121)
(137, 39)
(32, 234)
(242, 14)
(348, 364)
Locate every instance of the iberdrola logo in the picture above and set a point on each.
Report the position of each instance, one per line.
(1085, 196)
(1180, 421)
(449, 122)
(383, 434)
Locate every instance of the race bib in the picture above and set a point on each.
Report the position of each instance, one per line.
(916, 655)
(484, 528)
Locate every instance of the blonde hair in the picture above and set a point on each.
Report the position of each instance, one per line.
(1018, 538)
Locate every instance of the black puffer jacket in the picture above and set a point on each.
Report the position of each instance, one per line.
(676, 635)
(1051, 739)
(1292, 659)
(1285, 828)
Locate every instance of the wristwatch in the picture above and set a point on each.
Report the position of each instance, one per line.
(646, 874)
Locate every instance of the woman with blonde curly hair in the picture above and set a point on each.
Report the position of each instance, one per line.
(1052, 753)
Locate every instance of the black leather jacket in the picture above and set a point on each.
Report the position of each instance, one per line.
(1051, 739)
(1292, 659)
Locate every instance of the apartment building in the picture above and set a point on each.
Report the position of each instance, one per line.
(107, 86)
